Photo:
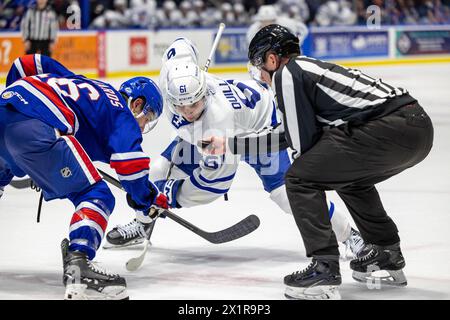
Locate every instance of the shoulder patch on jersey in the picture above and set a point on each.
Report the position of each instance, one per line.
(7, 94)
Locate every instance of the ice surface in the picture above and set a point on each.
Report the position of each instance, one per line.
(181, 265)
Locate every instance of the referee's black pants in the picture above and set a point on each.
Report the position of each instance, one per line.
(351, 161)
(40, 46)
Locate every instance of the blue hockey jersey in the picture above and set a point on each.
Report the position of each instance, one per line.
(91, 110)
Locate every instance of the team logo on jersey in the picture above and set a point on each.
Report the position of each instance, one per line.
(178, 121)
(7, 94)
(65, 172)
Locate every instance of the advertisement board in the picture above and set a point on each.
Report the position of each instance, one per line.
(77, 51)
(422, 42)
(11, 47)
(338, 45)
(232, 48)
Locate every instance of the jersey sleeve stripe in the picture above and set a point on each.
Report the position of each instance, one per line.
(19, 68)
(50, 105)
(128, 156)
(130, 166)
(133, 176)
(29, 65)
(56, 100)
(37, 60)
(209, 189)
(223, 179)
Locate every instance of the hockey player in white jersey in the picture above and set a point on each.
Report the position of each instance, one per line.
(202, 105)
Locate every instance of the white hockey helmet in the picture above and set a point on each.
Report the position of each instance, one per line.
(186, 84)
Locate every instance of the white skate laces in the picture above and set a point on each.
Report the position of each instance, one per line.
(131, 229)
(354, 245)
(370, 255)
(95, 268)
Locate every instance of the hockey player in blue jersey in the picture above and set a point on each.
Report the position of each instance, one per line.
(53, 124)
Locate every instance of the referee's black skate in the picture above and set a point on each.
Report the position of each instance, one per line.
(134, 232)
(86, 281)
(381, 265)
(319, 281)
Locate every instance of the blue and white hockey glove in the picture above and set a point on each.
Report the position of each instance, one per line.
(170, 189)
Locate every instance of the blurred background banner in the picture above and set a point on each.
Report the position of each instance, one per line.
(11, 46)
(233, 47)
(121, 38)
(423, 42)
(79, 50)
(348, 44)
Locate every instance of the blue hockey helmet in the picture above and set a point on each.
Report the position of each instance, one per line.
(146, 89)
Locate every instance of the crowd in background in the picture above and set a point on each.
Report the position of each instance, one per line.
(154, 14)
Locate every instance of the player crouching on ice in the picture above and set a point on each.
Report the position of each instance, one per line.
(200, 105)
(53, 124)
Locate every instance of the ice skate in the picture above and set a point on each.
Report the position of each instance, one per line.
(380, 266)
(319, 281)
(133, 233)
(86, 281)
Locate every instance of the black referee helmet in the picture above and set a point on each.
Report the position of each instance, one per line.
(274, 38)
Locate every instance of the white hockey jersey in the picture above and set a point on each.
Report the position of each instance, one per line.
(232, 107)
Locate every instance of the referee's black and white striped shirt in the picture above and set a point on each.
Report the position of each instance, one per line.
(312, 94)
(39, 24)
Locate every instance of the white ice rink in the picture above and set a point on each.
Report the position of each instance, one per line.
(181, 265)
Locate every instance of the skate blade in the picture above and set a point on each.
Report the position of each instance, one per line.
(108, 245)
(381, 278)
(81, 292)
(313, 293)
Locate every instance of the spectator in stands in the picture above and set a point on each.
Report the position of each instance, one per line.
(225, 15)
(241, 17)
(205, 15)
(39, 28)
(335, 13)
(112, 19)
(11, 13)
(188, 16)
(295, 9)
(168, 15)
(142, 14)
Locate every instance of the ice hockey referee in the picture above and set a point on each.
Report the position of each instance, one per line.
(39, 28)
(348, 132)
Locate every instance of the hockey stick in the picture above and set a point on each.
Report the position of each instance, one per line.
(214, 46)
(236, 231)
